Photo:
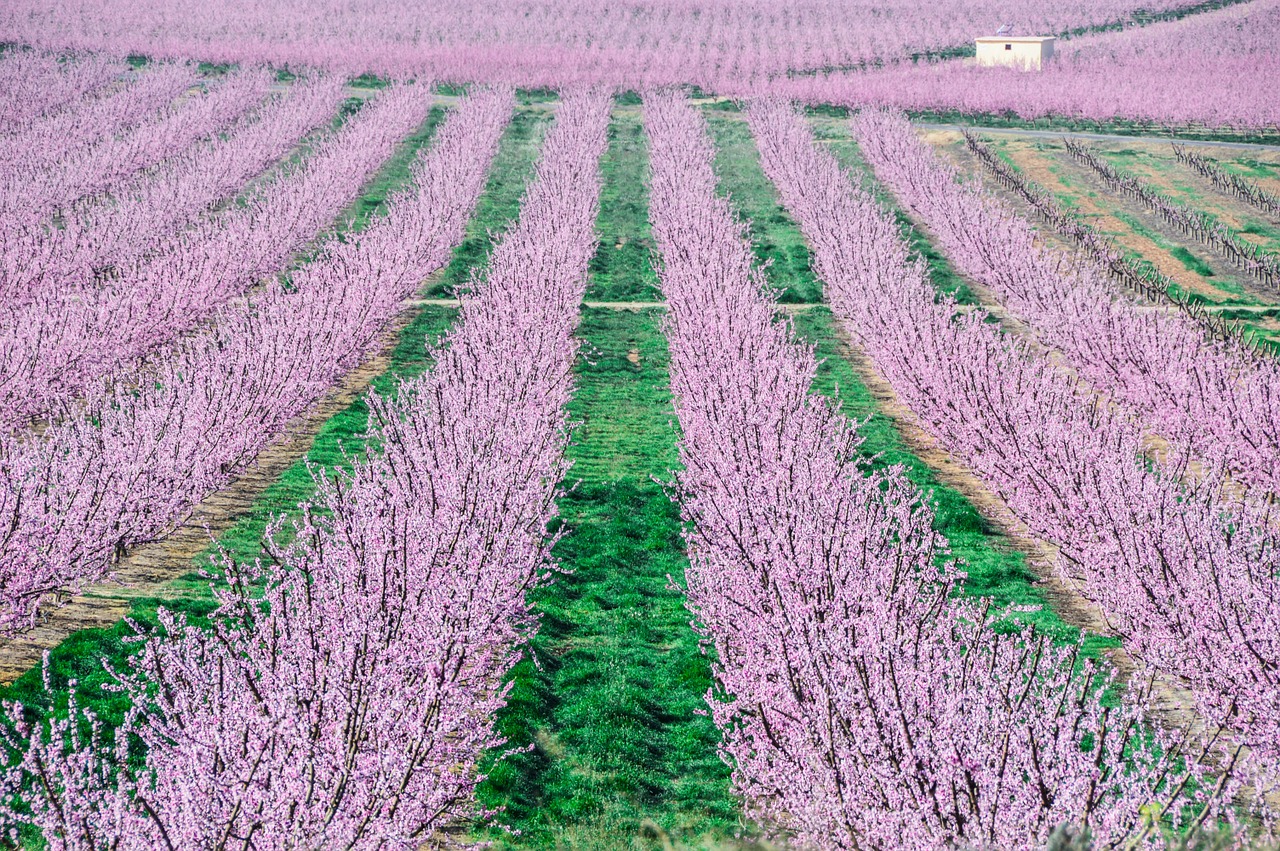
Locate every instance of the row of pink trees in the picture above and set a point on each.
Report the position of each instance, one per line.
(1187, 580)
(1221, 398)
(36, 83)
(78, 332)
(42, 142)
(31, 194)
(101, 237)
(1212, 68)
(863, 703)
(131, 463)
(350, 704)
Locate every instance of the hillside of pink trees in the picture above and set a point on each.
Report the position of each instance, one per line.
(1212, 68)
(34, 84)
(712, 43)
(1215, 69)
(79, 325)
(48, 139)
(35, 190)
(353, 701)
(101, 237)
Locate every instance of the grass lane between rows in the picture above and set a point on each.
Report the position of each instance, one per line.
(499, 205)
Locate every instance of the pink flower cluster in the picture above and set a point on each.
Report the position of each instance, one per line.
(1221, 398)
(132, 462)
(349, 706)
(863, 703)
(44, 142)
(98, 238)
(31, 193)
(1186, 577)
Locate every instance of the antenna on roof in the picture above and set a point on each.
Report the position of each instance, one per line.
(1005, 30)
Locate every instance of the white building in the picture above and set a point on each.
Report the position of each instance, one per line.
(1028, 52)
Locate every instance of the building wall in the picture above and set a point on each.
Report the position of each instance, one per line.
(1020, 54)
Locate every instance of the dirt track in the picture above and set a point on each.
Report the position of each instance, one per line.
(1098, 137)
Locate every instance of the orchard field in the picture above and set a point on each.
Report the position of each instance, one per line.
(650, 425)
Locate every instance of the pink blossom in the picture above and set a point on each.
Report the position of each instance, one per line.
(349, 706)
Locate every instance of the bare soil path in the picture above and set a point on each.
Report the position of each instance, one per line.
(1099, 137)
(1066, 179)
(612, 305)
(1160, 169)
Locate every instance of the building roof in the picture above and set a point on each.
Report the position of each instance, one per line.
(1026, 39)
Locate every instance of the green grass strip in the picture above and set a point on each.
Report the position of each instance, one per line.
(499, 206)
(622, 269)
(620, 751)
(1191, 262)
(775, 236)
(394, 175)
(1252, 167)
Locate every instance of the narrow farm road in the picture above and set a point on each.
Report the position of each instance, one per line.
(1097, 137)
